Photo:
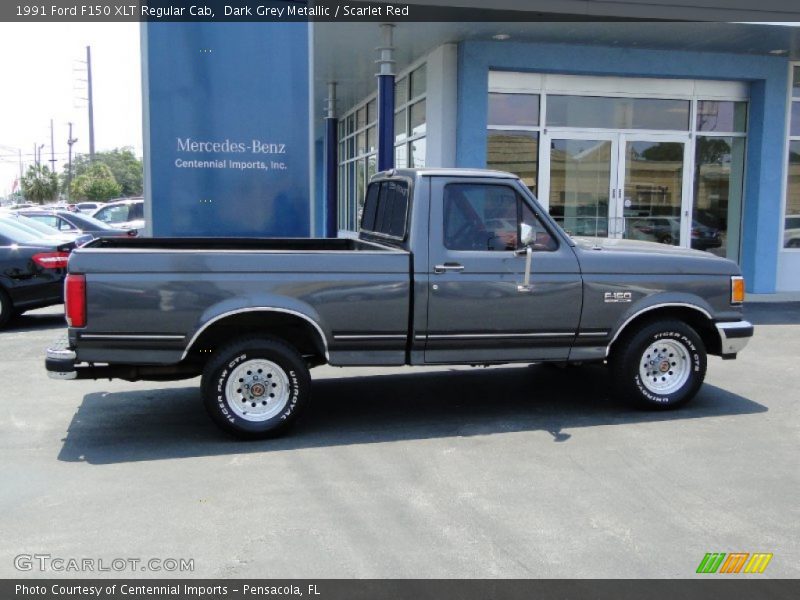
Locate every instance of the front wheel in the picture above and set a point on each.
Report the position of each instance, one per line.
(255, 387)
(660, 366)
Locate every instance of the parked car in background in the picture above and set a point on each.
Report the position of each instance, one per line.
(125, 214)
(88, 207)
(32, 271)
(791, 235)
(666, 230)
(46, 232)
(63, 220)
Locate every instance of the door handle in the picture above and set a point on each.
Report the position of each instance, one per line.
(448, 266)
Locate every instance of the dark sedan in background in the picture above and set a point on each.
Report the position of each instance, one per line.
(68, 221)
(32, 271)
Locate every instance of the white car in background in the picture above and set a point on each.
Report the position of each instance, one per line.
(791, 233)
(124, 214)
(88, 207)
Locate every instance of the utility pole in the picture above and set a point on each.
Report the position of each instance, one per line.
(91, 107)
(52, 149)
(70, 141)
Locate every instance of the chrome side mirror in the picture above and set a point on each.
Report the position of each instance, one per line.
(527, 236)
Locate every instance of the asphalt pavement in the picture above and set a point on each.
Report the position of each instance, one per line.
(530, 471)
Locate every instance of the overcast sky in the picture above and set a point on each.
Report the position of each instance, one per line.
(41, 66)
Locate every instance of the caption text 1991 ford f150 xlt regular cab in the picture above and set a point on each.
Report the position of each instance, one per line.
(450, 267)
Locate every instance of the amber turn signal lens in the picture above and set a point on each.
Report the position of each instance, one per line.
(737, 290)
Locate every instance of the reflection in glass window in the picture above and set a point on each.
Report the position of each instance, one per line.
(361, 118)
(372, 139)
(515, 152)
(372, 111)
(791, 237)
(400, 157)
(618, 113)
(717, 211)
(418, 82)
(401, 91)
(796, 82)
(400, 126)
(417, 115)
(513, 109)
(417, 153)
(795, 119)
(721, 116)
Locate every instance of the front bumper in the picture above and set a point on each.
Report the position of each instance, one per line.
(734, 336)
(60, 361)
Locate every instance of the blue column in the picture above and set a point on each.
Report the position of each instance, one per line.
(385, 122)
(331, 176)
(386, 100)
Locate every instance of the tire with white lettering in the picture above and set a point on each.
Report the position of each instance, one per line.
(255, 387)
(659, 366)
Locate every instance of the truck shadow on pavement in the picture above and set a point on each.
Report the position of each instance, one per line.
(156, 424)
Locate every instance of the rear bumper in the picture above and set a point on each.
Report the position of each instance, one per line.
(60, 361)
(734, 336)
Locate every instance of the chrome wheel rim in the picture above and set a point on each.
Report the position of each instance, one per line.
(665, 366)
(257, 390)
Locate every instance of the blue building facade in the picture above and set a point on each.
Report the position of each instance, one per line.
(682, 134)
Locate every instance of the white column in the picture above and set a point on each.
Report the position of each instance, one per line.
(441, 106)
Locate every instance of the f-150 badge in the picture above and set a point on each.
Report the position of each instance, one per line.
(617, 297)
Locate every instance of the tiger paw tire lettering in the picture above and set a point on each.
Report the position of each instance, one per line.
(255, 387)
(659, 366)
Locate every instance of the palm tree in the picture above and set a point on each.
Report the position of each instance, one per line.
(39, 184)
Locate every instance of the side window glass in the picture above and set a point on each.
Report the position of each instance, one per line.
(64, 225)
(48, 220)
(136, 211)
(480, 217)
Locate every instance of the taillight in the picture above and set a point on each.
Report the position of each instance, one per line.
(52, 260)
(75, 300)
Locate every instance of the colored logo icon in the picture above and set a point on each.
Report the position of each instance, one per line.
(734, 562)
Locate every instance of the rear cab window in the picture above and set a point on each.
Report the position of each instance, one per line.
(386, 209)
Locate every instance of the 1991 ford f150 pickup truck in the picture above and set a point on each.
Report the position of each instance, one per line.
(450, 267)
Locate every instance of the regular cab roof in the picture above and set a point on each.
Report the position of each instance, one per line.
(445, 172)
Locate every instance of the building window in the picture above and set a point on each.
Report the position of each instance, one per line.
(608, 165)
(358, 142)
(791, 225)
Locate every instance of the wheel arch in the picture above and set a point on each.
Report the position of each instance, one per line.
(292, 326)
(697, 317)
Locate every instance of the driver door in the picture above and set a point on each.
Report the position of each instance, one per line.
(477, 310)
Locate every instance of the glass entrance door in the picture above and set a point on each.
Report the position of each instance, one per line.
(650, 203)
(618, 185)
(583, 176)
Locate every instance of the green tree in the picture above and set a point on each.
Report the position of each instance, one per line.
(39, 184)
(126, 168)
(97, 183)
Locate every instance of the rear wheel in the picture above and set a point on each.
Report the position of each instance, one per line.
(6, 308)
(255, 387)
(660, 366)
